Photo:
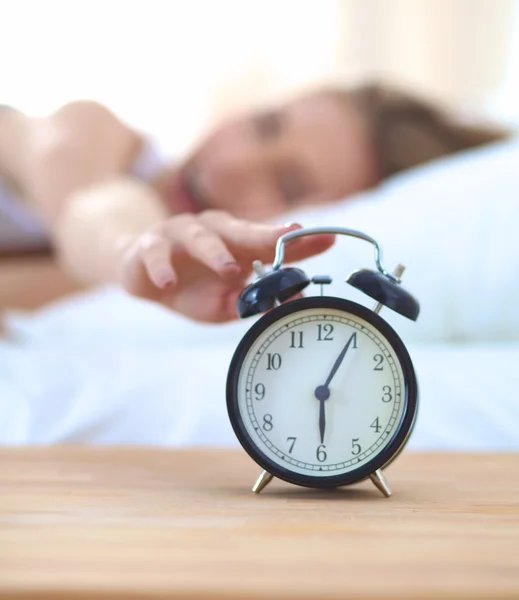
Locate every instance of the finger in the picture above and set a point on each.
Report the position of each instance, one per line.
(206, 246)
(299, 249)
(156, 257)
(261, 238)
(245, 235)
(308, 246)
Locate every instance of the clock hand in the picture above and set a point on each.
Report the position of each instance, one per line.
(322, 419)
(322, 392)
(338, 362)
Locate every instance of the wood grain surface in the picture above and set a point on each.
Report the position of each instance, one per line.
(32, 281)
(146, 523)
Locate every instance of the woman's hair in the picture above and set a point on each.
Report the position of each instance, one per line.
(407, 131)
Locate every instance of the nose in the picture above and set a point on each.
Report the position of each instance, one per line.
(231, 169)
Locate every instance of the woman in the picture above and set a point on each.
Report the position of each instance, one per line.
(185, 235)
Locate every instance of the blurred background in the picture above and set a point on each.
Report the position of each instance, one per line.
(172, 67)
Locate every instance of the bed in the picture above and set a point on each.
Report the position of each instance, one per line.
(100, 367)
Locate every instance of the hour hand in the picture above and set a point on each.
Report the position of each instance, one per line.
(322, 393)
(322, 420)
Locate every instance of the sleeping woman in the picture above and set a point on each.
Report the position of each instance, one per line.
(184, 235)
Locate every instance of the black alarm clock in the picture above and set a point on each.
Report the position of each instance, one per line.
(321, 391)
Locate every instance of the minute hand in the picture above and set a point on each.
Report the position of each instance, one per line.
(339, 360)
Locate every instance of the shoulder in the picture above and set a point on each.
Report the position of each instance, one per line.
(87, 113)
(92, 129)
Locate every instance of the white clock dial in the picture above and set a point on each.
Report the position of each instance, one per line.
(321, 392)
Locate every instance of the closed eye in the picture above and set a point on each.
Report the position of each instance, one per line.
(268, 125)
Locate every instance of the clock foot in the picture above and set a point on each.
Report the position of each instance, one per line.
(380, 483)
(261, 483)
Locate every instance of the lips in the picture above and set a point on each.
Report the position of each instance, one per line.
(183, 199)
(187, 194)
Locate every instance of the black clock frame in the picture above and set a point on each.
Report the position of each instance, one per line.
(410, 397)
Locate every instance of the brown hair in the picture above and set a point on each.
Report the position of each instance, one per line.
(407, 131)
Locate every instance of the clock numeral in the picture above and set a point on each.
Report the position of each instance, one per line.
(298, 339)
(354, 341)
(355, 448)
(376, 425)
(324, 332)
(379, 359)
(259, 388)
(320, 453)
(267, 422)
(388, 396)
(292, 441)
(273, 361)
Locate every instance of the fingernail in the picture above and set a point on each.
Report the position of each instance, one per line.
(231, 266)
(290, 225)
(166, 283)
(164, 279)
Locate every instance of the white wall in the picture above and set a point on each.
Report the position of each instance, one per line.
(172, 66)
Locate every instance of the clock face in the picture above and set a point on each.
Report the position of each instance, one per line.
(322, 392)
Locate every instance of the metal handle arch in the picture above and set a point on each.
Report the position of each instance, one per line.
(293, 235)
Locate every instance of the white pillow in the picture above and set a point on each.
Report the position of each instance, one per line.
(453, 223)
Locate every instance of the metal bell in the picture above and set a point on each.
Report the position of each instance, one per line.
(277, 286)
(389, 293)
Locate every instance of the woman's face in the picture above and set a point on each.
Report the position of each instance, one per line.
(310, 151)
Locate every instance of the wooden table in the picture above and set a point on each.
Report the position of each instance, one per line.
(142, 523)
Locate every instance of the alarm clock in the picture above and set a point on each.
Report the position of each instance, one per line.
(321, 391)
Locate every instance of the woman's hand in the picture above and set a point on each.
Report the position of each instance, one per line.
(197, 265)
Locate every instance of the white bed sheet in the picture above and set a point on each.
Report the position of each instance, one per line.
(105, 368)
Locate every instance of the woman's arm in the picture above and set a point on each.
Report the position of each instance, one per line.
(71, 167)
(97, 223)
(108, 227)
